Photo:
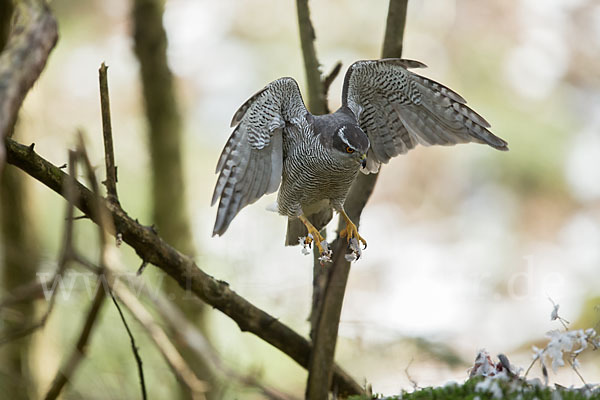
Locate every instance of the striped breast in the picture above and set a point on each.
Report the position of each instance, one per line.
(311, 174)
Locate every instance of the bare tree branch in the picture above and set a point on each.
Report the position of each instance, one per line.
(394, 29)
(149, 246)
(111, 168)
(328, 318)
(316, 95)
(182, 329)
(65, 372)
(31, 39)
(184, 374)
(328, 80)
(136, 354)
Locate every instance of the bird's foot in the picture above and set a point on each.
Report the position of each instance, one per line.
(351, 232)
(355, 251)
(315, 236)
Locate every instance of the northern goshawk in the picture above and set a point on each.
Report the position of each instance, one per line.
(313, 159)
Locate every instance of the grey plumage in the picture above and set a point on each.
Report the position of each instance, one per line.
(252, 161)
(386, 110)
(399, 109)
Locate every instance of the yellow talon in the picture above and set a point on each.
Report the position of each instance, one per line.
(350, 231)
(314, 235)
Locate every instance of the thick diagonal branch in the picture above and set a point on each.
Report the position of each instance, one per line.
(149, 246)
(30, 41)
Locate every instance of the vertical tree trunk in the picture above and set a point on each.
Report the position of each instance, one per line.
(165, 137)
(18, 265)
(164, 125)
(327, 324)
(317, 104)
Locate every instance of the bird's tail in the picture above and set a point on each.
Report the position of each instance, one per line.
(296, 229)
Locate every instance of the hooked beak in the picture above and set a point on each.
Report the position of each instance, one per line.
(363, 161)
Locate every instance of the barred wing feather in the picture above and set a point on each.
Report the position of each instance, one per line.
(251, 163)
(399, 109)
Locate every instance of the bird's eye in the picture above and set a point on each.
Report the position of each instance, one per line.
(349, 149)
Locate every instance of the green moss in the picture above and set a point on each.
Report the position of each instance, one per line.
(515, 389)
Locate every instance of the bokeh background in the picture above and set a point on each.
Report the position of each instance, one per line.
(466, 244)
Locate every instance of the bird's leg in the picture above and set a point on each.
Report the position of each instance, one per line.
(350, 231)
(314, 235)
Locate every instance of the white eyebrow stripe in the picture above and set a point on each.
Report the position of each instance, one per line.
(340, 133)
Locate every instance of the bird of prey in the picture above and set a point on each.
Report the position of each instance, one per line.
(313, 159)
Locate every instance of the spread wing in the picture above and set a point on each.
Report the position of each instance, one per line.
(398, 109)
(251, 162)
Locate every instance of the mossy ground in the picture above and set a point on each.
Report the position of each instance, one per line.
(513, 389)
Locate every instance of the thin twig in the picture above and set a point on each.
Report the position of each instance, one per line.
(328, 80)
(142, 267)
(577, 372)
(65, 372)
(182, 329)
(134, 348)
(414, 383)
(184, 374)
(98, 212)
(537, 357)
(109, 153)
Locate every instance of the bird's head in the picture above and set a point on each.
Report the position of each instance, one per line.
(351, 143)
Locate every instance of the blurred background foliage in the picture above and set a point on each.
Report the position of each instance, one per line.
(465, 244)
